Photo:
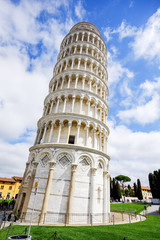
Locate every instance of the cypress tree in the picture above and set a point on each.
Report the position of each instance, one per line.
(114, 189)
(117, 191)
(154, 181)
(139, 191)
(135, 190)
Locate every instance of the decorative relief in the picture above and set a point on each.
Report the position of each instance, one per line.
(44, 160)
(85, 163)
(32, 161)
(27, 179)
(64, 160)
(99, 168)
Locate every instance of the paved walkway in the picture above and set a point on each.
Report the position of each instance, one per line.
(153, 210)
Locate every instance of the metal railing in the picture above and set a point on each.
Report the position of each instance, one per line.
(81, 219)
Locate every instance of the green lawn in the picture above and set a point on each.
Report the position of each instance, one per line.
(128, 207)
(147, 230)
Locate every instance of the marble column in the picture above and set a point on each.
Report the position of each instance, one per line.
(39, 136)
(64, 105)
(95, 112)
(70, 202)
(30, 186)
(105, 203)
(85, 65)
(94, 138)
(56, 85)
(81, 49)
(69, 80)
(82, 37)
(59, 132)
(18, 202)
(79, 62)
(81, 101)
(44, 133)
(86, 137)
(51, 107)
(51, 133)
(89, 101)
(73, 101)
(62, 83)
(77, 38)
(47, 193)
(100, 141)
(92, 193)
(90, 81)
(52, 87)
(69, 129)
(83, 81)
(57, 106)
(78, 128)
(76, 82)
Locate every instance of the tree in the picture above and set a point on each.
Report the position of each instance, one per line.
(135, 190)
(117, 191)
(139, 191)
(154, 181)
(122, 179)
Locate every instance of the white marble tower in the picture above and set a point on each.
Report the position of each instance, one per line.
(69, 158)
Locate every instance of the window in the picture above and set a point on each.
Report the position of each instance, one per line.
(8, 196)
(2, 186)
(71, 139)
(10, 187)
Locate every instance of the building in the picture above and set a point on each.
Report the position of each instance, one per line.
(9, 187)
(69, 158)
(146, 193)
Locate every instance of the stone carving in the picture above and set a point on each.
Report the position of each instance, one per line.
(64, 160)
(99, 168)
(85, 163)
(44, 160)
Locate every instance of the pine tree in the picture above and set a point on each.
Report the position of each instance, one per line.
(139, 191)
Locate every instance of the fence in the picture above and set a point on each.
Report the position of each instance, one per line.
(82, 219)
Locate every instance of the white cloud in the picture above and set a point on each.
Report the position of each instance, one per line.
(116, 71)
(131, 4)
(80, 11)
(146, 43)
(143, 114)
(22, 92)
(133, 153)
(108, 33)
(150, 87)
(146, 38)
(13, 158)
(124, 30)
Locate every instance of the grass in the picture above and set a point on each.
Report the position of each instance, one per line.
(6, 200)
(128, 207)
(147, 230)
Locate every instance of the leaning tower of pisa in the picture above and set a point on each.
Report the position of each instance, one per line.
(69, 157)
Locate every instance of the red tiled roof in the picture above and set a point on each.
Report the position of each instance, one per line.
(17, 178)
(7, 180)
(145, 188)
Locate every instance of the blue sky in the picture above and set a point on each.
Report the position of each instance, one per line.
(30, 35)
